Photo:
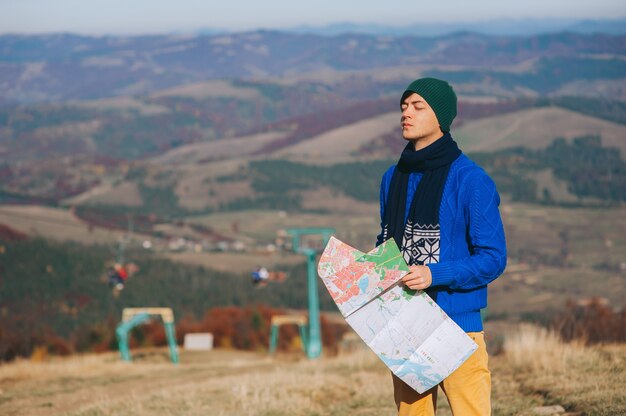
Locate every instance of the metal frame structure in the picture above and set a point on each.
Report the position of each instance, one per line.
(279, 320)
(132, 317)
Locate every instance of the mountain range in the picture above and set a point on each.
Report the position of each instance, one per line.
(501, 27)
(60, 67)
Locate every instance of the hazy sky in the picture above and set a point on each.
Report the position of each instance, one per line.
(151, 16)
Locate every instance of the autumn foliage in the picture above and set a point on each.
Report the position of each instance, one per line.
(592, 321)
(246, 328)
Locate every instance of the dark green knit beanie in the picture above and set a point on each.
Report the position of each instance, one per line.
(439, 95)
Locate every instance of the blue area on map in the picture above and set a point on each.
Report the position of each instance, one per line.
(363, 283)
(404, 368)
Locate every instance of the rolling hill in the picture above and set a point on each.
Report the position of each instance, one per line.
(536, 128)
(210, 175)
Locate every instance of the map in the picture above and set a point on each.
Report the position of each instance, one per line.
(406, 329)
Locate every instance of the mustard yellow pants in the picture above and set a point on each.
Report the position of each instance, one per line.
(468, 389)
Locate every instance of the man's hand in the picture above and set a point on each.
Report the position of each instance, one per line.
(419, 278)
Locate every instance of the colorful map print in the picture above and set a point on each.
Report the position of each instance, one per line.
(407, 330)
(354, 278)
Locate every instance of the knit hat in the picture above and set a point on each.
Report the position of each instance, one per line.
(439, 95)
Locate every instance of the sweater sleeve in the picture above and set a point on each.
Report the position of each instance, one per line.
(487, 245)
(384, 185)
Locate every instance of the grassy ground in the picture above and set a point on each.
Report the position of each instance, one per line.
(586, 380)
(536, 369)
(54, 223)
(236, 262)
(359, 230)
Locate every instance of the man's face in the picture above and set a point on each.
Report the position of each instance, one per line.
(418, 119)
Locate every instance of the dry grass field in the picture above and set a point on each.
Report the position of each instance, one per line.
(206, 89)
(231, 148)
(122, 103)
(535, 128)
(264, 225)
(54, 223)
(338, 145)
(125, 194)
(535, 370)
(236, 262)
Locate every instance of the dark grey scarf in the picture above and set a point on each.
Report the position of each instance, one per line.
(418, 238)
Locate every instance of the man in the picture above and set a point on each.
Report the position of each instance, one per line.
(118, 276)
(442, 210)
(260, 274)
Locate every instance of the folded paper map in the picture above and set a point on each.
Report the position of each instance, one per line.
(406, 329)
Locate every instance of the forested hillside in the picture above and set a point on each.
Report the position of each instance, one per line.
(56, 294)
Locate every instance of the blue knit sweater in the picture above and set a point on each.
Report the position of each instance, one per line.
(472, 246)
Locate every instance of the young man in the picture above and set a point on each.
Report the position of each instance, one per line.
(442, 210)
